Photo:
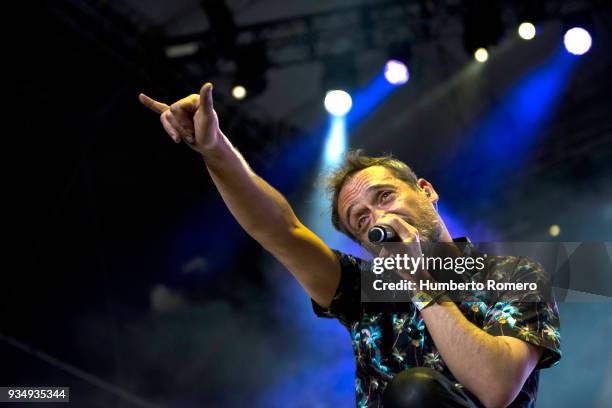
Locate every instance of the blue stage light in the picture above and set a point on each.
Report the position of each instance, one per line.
(513, 127)
(396, 72)
(335, 146)
(577, 41)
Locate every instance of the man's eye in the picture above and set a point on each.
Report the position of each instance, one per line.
(361, 221)
(385, 195)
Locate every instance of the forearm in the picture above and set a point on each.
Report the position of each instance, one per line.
(483, 363)
(260, 209)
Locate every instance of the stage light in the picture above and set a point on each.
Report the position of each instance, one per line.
(335, 145)
(251, 71)
(338, 102)
(481, 55)
(554, 230)
(531, 13)
(339, 77)
(527, 31)
(483, 26)
(513, 126)
(396, 72)
(239, 92)
(577, 41)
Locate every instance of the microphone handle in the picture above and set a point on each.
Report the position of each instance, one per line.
(384, 233)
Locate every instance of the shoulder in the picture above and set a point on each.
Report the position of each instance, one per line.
(351, 263)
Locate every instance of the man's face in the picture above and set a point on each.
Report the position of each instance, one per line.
(374, 192)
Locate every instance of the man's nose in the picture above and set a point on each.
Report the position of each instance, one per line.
(377, 214)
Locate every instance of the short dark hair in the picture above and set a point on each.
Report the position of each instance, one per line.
(354, 161)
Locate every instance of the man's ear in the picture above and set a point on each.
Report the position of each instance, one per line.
(426, 187)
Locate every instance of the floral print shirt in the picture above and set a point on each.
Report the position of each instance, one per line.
(390, 337)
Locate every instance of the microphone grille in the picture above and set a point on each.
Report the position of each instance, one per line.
(376, 234)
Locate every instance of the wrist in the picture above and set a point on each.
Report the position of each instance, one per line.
(422, 299)
(425, 295)
(216, 150)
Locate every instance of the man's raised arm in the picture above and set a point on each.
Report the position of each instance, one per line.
(260, 209)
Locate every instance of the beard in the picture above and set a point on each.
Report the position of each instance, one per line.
(428, 223)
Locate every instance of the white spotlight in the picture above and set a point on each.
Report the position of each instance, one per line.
(527, 31)
(481, 55)
(396, 72)
(338, 102)
(239, 92)
(577, 41)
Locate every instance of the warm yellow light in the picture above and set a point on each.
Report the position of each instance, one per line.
(239, 92)
(554, 230)
(527, 31)
(481, 55)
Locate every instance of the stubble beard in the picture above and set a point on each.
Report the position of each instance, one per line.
(429, 224)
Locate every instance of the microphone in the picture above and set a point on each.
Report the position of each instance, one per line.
(381, 233)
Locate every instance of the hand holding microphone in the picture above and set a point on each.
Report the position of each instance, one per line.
(391, 228)
(407, 234)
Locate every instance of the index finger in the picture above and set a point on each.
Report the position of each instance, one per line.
(152, 104)
(404, 229)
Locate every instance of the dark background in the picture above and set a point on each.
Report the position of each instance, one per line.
(118, 283)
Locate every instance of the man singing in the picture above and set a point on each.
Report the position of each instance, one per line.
(426, 353)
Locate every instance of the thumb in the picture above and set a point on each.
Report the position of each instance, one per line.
(206, 100)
